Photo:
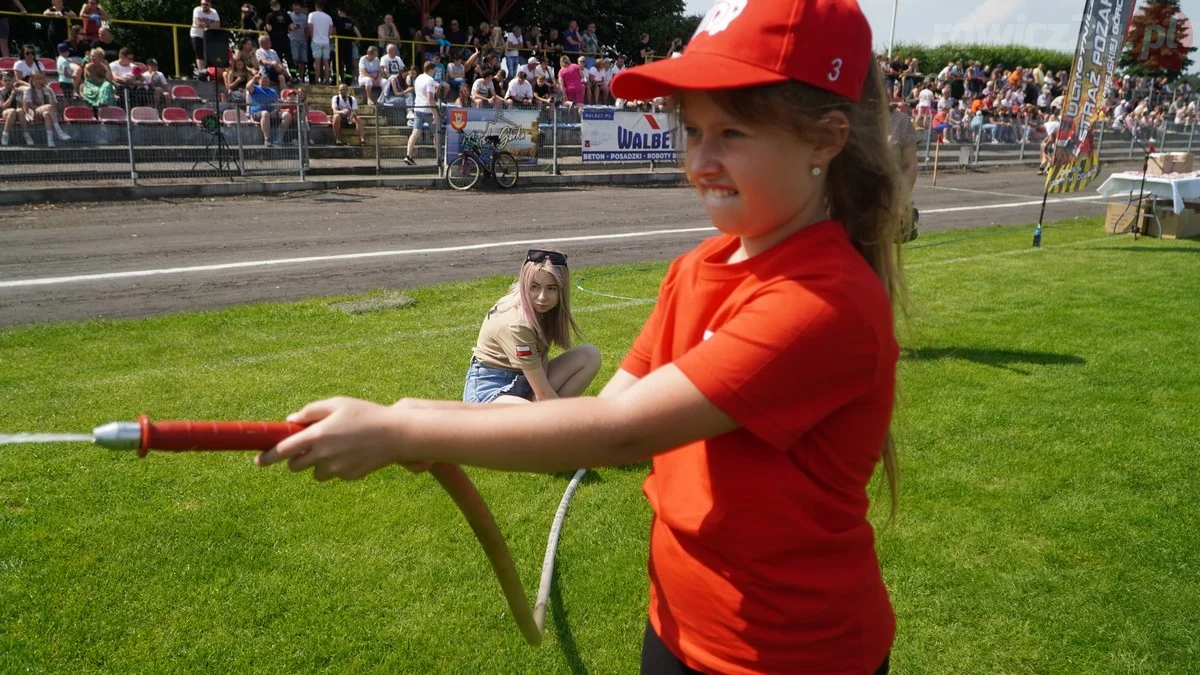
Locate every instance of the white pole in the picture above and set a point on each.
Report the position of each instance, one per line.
(892, 37)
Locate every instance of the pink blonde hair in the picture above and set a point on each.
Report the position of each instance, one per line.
(556, 326)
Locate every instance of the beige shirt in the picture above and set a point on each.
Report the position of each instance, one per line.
(506, 341)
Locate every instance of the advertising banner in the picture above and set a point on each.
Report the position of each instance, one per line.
(627, 136)
(1101, 37)
(1074, 176)
(517, 130)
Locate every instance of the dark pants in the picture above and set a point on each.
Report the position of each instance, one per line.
(658, 660)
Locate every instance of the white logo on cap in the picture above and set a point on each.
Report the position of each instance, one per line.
(719, 16)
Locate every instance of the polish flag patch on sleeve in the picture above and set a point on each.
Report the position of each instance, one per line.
(524, 350)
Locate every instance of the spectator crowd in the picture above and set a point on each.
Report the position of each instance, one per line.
(968, 102)
(476, 66)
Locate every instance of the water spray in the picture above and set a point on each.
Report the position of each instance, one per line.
(143, 436)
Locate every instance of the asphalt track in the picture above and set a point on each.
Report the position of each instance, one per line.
(144, 258)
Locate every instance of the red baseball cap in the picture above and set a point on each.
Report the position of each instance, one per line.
(742, 43)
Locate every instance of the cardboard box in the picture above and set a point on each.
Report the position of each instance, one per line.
(1121, 217)
(1180, 225)
(1160, 163)
(1181, 162)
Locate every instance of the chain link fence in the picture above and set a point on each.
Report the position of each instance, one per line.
(147, 136)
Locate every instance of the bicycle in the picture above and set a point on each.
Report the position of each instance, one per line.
(463, 171)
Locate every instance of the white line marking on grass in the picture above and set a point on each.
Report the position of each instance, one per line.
(980, 192)
(108, 276)
(1036, 202)
(997, 254)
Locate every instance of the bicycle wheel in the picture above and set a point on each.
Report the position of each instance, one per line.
(463, 172)
(504, 169)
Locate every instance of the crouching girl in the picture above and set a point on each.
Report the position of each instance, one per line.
(510, 362)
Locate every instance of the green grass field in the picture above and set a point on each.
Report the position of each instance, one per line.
(1050, 401)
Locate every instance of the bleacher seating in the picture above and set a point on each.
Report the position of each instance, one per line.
(318, 118)
(79, 114)
(49, 66)
(8, 62)
(110, 114)
(186, 94)
(56, 88)
(236, 116)
(178, 116)
(144, 114)
(199, 114)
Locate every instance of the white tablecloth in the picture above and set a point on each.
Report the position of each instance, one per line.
(1177, 189)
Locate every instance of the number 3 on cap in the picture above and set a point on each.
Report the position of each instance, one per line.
(837, 70)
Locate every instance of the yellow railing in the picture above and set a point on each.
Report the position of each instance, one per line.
(415, 47)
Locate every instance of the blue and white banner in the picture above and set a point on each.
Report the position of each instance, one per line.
(627, 136)
(517, 129)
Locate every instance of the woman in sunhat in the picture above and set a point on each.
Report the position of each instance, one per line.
(762, 383)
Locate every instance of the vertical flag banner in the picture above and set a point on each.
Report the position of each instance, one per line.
(1074, 176)
(1101, 37)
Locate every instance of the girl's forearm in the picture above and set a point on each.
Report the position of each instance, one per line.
(557, 435)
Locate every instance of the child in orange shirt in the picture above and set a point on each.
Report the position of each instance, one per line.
(762, 384)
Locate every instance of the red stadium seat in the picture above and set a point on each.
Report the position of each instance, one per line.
(199, 114)
(144, 114)
(79, 114)
(110, 114)
(318, 118)
(49, 66)
(185, 92)
(178, 116)
(8, 62)
(236, 116)
(56, 88)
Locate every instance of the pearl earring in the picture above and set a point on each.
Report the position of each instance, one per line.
(816, 171)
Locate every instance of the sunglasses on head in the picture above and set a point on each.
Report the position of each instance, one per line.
(537, 255)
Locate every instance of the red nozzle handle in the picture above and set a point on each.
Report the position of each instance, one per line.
(177, 436)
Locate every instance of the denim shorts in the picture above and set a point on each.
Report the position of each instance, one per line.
(299, 51)
(421, 120)
(484, 384)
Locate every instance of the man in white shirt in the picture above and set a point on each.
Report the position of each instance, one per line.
(520, 91)
(530, 68)
(1047, 149)
(204, 17)
(483, 92)
(345, 110)
(512, 58)
(391, 63)
(425, 90)
(269, 63)
(122, 69)
(944, 76)
(320, 27)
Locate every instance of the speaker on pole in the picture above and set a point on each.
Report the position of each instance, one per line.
(216, 48)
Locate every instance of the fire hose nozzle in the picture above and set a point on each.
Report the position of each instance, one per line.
(118, 436)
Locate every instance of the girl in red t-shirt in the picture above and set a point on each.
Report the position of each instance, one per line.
(762, 384)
